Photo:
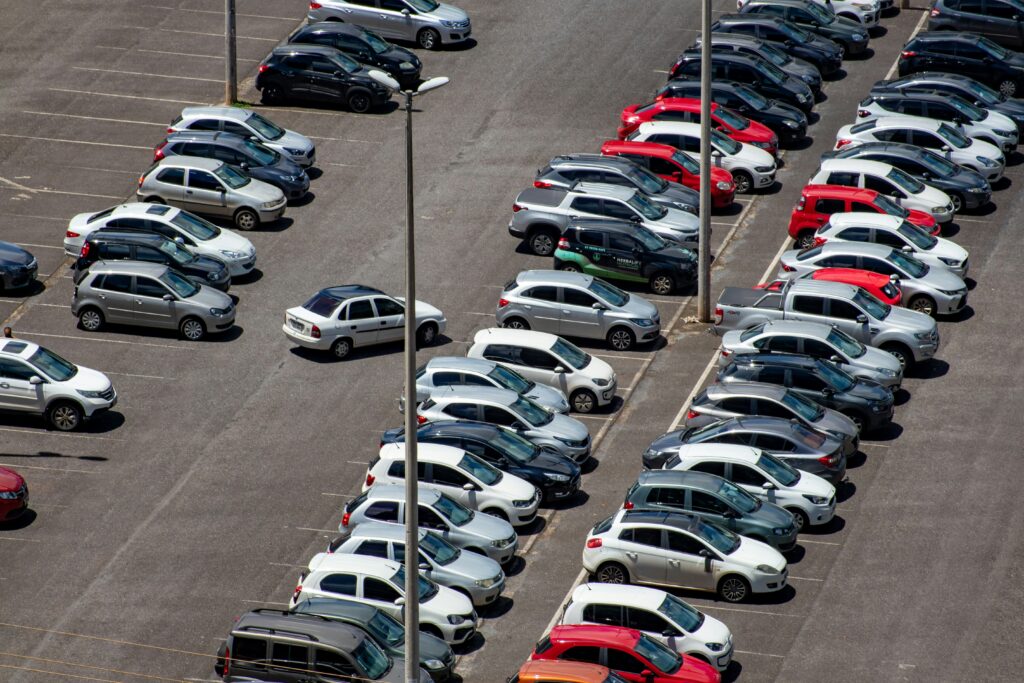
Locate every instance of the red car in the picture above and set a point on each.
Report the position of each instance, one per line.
(671, 164)
(13, 495)
(880, 285)
(818, 202)
(737, 127)
(629, 653)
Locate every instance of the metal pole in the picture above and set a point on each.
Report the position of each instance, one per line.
(704, 248)
(230, 65)
(412, 527)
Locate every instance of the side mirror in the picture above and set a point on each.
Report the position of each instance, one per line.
(469, 486)
(35, 379)
(926, 175)
(558, 370)
(894, 278)
(400, 602)
(678, 175)
(906, 249)
(862, 318)
(647, 675)
(424, 567)
(945, 148)
(519, 426)
(636, 219)
(598, 306)
(731, 514)
(405, 12)
(167, 297)
(827, 391)
(835, 359)
(244, 165)
(668, 633)
(768, 486)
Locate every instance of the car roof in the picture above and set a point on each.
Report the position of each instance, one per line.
(864, 218)
(206, 136)
(480, 365)
(859, 165)
(183, 161)
(342, 636)
(776, 359)
(596, 633)
(841, 191)
(562, 671)
(390, 532)
(344, 292)
(561, 277)
(129, 268)
(739, 17)
(797, 327)
(732, 39)
(501, 335)
(900, 148)
(306, 49)
(782, 3)
(425, 494)
(589, 159)
(332, 27)
(858, 248)
(745, 389)
(927, 76)
(639, 596)
(233, 113)
(684, 521)
(943, 36)
(338, 607)
(140, 209)
(849, 275)
(680, 478)
(603, 190)
(758, 423)
(434, 452)
(474, 393)
(609, 225)
(910, 94)
(18, 347)
(678, 127)
(129, 235)
(481, 430)
(902, 121)
(693, 54)
(824, 288)
(721, 451)
(655, 149)
(359, 564)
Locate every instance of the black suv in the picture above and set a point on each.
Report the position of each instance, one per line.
(118, 244)
(999, 20)
(766, 78)
(364, 47)
(815, 18)
(617, 250)
(786, 121)
(976, 93)
(823, 53)
(967, 54)
(555, 475)
(317, 72)
(867, 403)
(727, 43)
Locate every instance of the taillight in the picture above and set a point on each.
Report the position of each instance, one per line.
(563, 242)
(421, 420)
(345, 518)
(170, 130)
(298, 589)
(863, 112)
(692, 414)
(71, 234)
(800, 204)
(935, 11)
(632, 118)
(718, 314)
(315, 332)
(315, 5)
(907, 54)
(726, 353)
(263, 68)
(516, 208)
(503, 302)
(158, 153)
(141, 178)
(842, 142)
(85, 250)
(593, 542)
(787, 268)
(818, 241)
(628, 505)
(227, 661)
(541, 184)
(830, 460)
(370, 479)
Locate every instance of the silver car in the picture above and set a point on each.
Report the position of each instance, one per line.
(149, 295)
(250, 124)
(477, 577)
(445, 371)
(428, 23)
(577, 305)
(212, 188)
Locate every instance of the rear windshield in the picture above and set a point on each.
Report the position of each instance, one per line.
(322, 305)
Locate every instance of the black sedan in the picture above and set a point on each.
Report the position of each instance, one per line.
(821, 52)
(760, 75)
(363, 46)
(17, 267)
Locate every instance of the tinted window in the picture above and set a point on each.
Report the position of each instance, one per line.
(843, 309)
(12, 369)
(716, 468)
(839, 261)
(172, 176)
(641, 619)
(387, 307)
(582, 654)
(590, 238)
(619, 660)
(1002, 10)
(498, 416)
(375, 589)
(204, 124)
(574, 297)
(236, 128)
(643, 536)
(668, 496)
(772, 375)
(881, 186)
(465, 411)
(444, 379)
(430, 519)
(773, 443)
(343, 584)
(771, 409)
(287, 655)
(202, 180)
(705, 502)
(803, 379)
(603, 614)
(842, 178)
(394, 5)
(328, 662)
(144, 253)
(447, 476)
(621, 243)
(855, 234)
(681, 543)
(385, 511)
(741, 474)
(502, 352)
(830, 206)
(360, 310)
(783, 344)
(539, 359)
(250, 651)
(587, 205)
(115, 251)
(373, 548)
(817, 349)
(813, 305)
(544, 293)
(145, 286)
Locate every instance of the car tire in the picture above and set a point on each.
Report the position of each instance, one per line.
(543, 241)
(802, 522)
(922, 304)
(154, 200)
(662, 283)
(733, 588)
(432, 630)
(64, 416)
(192, 328)
(246, 219)
(341, 348)
(1007, 87)
(359, 100)
(612, 572)
(958, 201)
(744, 182)
(804, 239)
(583, 401)
(902, 354)
(569, 267)
(91, 319)
(429, 39)
(272, 93)
(495, 512)
(426, 335)
(858, 418)
(621, 339)
(516, 324)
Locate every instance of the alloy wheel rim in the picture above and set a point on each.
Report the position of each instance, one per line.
(246, 221)
(360, 103)
(583, 402)
(515, 325)
(341, 349)
(612, 575)
(543, 245)
(733, 590)
(662, 285)
(742, 184)
(91, 320)
(192, 330)
(428, 334)
(621, 340)
(66, 418)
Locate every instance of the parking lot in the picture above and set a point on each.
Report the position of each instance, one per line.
(224, 466)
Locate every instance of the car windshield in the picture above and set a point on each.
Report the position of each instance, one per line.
(179, 255)
(428, 588)
(570, 353)
(515, 447)
(725, 143)
(969, 110)
(345, 62)
(267, 129)
(755, 99)
(740, 499)
(775, 55)
(905, 181)
(731, 118)
(322, 304)
(371, 659)
(778, 470)
(908, 263)
(511, 380)
(870, 303)
(770, 71)
(439, 550)
(719, 538)
(845, 343)
(648, 239)
(662, 658)
(195, 226)
(983, 93)
(614, 678)
(479, 469)
(230, 177)
(454, 512)
(819, 13)
(52, 365)
(424, 5)
(836, 376)
(803, 407)
(386, 629)
(648, 182)
(917, 236)
(751, 332)
(610, 293)
(890, 207)
(993, 49)
(680, 613)
(646, 207)
(940, 166)
(686, 161)
(531, 412)
(377, 44)
(178, 284)
(263, 155)
(953, 136)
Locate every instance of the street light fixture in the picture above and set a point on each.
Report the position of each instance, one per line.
(412, 527)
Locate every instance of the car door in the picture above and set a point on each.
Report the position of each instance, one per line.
(114, 292)
(453, 483)
(170, 183)
(330, 666)
(855, 234)
(249, 656)
(541, 305)
(397, 20)
(289, 662)
(326, 80)
(753, 482)
(877, 265)
(297, 70)
(429, 519)
(628, 665)
(204, 193)
(391, 319)
(579, 318)
(589, 206)
(809, 307)
(624, 257)
(808, 384)
(730, 407)
(361, 12)
(1002, 22)
(382, 595)
(686, 567)
(16, 389)
(965, 58)
(823, 208)
(713, 508)
(850, 319)
(884, 186)
(463, 411)
(358, 321)
(545, 368)
(149, 307)
(845, 178)
(970, 14)
(644, 555)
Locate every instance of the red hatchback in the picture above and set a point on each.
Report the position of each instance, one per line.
(818, 202)
(631, 654)
(880, 285)
(671, 164)
(13, 495)
(737, 127)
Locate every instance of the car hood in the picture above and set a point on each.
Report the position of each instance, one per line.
(911, 321)
(948, 249)
(640, 307)
(473, 566)
(668, 443)
(259, 192)
(424, 311)
(836, 422)
(968, 177)
(785, 111)
(983, 149)
(813, 485)
(285, 166)
(875, 359)
(565, 427)
(449, 12)
(999, 121)
(549, 397)
(397, 55)
(932, 197)
(208, 264)
(396, 674)
(847, 26)
(806, 72)
(210, 298)
(87, 379)
(294, 140)
(773, 515)
(512, 487)
(713, 631)
(753, 553)
(869, 390)
(549, 461)
(676, 219)
(599, 369)
(487, 527)
(755, 156)
(674, 192)
(431, 647)
(444, 602)
(942, 278)
(12, 254)
(10, 480)
(677, 254)
(1008, 107)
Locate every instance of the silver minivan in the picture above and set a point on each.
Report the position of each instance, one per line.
(428, 23)
(149, 295)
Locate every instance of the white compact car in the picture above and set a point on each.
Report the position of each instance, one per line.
(250, 124)
(35, 380)
(992, 127)
(752, 168)
(811, 499)
(908, 192)
(446, 371)
(462, 476)
(444, 612)
(660, 615)
(897, 233)
(864, 12)
(548, 359)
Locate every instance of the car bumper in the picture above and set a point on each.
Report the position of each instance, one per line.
(272, 214)
(857, 47)
(502, 555)
(17, 279)
(321, 344)
(880, 419)
(220, 323)
(12, 509)
(769, 583)
(296, 190)
(974, 200)
(762, 180)
(241, 267)
(455, 35)
(562, 491)
(93, 406)
(869, 19)
(525, 516)
(943, 217)
(949, 305)
(457, 634)
(484, 596)
(821, 514)
(723, 198)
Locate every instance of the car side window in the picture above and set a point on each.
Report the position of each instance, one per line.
(741, 474)
(830, 206)
(735, 405)
(393, 5)
(575, 297)
(842, 178)
(12, 369)
(913, 108)
(960, 48)
(774, 443)
(642, 536)
(644, 620)
(387, 307)
(681, 543)
(586, 205)
(499, 416)
(251, 653)
(843, 309)
(767, 408)
(143, 253)
(839, 261)
(812, 305)
(580, 653)
(342, 584)
(855, 234)
(194, 149)
(297, 62)
(738, 438)
(476, 380)
(782, 344)
(662, 166)
(621, 660)
(399, 551)
(201, 180)
(591, 238)
(705, 502)
(113, 283)
(204, 124)
(621, 243)
(373, 549)
(447, 476)
(772, 375)
(878, 266)
(502, 353)
(1001, 10)
(610, 615)
(446, 379)
(431, 520)
(804, 379)
(384, 511)
(360, 310)
(145, 286)
(889, 239)
(925, 139)
(539, 359)
(375, 589)
(236, 128)
(542, 293)
(883, 186)
(817, 349)
(117, 251)
(323, 66)
(711, 467)
(330, 662)
(616, 209)
(462, 411)
(677, 115)
(666, 495)
(172, 176)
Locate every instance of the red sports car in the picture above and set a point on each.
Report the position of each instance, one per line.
(737, 127)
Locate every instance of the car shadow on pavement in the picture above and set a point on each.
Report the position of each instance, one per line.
(579, 500)
(836, 75)
(515, 566)
(254, 275)
(965, 313)
(796, 555)
(732, 672)
(734, 209)
(314, 173)
(803, 143)
(949, 229)
(304, 200)
(589, 465)
(856, 460)
(988, 209)
(900, 396)
(1014, 158)
(971, 283)
(1002, 184)
(887, 433)
(862, 57)
(533, 528)
(472, 645)
(845, 491)
(34, 288)
(22, 521)
(834, 526)
(50, 454)
(99, 424)
(877, 31)
(931, 370)
(499, 608)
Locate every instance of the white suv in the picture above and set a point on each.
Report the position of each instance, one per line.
(811, 499)
(660, 615)
(36, 380)
(462, 476)
(444, 612)
(548, 359)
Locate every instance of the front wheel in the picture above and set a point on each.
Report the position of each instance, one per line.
(426, 335)
(733, 588)
(569, 267)
(922, 304)
(858, 419)
(800, 517)
(246, 219)
(621, 339)
(494, 512)
(429, 39)
(272, 94)
(359, 101)
(192, 329)
(583, 401)
(902, 354)
(64, 416)
(957, 200)
(662, 283)
(744, 183)
(1008, 87)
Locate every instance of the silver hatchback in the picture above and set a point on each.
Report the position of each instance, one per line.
(577, 305)
(430, 24)
(149, 295)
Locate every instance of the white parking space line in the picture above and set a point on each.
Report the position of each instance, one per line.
(64, 434)
(251, 602)
(758, 654)
(723, 224)
(689, 399)
(334, 163)
(23, 540)
(639, 358)
(93, 118)
(365, 142)
(39, 246)
(129, 97)
(218, 13)
(875, 443)
(336, 114)
(337, 495)
(743, 200)
(661, 71)
(186, 54)
(306, 528)
(286, 564)
(970, 220)
(146, 73)
(107, 341)
(771, 265)
(149, 29)
(804, 540)
(806, 578)
(41, 218)
(40, 303)
(475, 313)
(594, 417)
(10, 185)
(102, 170)
(128, 374)
(751, 611)
(73, 142)
(48, 469)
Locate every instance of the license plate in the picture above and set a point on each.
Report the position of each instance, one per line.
(295, 325)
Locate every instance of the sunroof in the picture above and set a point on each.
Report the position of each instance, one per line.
(158, 209)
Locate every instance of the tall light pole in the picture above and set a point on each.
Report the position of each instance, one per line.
(704, 246)
(230, 63)
(412, 527)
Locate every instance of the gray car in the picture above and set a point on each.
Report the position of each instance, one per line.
(463, 528)
(18, 267)
(428, 23)
(477, 577)
(572, 304)
(250, 124)
(211, 188)
(770, 52)
(716, 500)
(444, 371)
(149, 295)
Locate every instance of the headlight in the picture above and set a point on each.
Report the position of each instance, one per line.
(877, 407)
(922, 336)
(765, 569)
(722, 185)
(949, 261)
(715, 647)
(90, 394)
(761, 145)
(295, 152)
(212, 277)
(1003, 133)
(790, 124)
(642, 322)
(484, 583)
(977, 190)
(447, 24)
(434, 664)
(553, 476)
(938, 209)
(455, 619)
(601, 382)
(407, 66)
(816, 500)
(951, 292)
(219, 311)
(502, 542)
(764, 169)
(8, 495)
(801, 97)
(522, 503)
(886, 372)
(779, 531)
(290, 178)
(858, 36)
(270, 205)
(985, 161)
(863, 8)
(688, 209)
(232, 254)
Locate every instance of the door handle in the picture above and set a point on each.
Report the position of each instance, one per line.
(355, 327)
(138, 301)
(874, 330)
(630, 555)
(4, 385)
(188, 191)
(382, 324)
(103, 296)
(674, 563)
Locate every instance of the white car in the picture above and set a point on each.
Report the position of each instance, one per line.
(35, 380)
(864, 12)
(445, 371)
(897, 233)
(660, 615)
(604, 200)
(752, 168)
(811, 499)
(937, 136)
(907, 191)
(250, 124)
(339, 319)
(630, 547)
(461, 476)
(197, 235)
(550, 360)
(989, 126)
(444, 612)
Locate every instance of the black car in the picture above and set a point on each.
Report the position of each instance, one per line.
(823, 53)
(746, 45)
(850, 35)
(786, 121)
(117, 244)
(762, 76)
(317, 72)
(966, 54)
(976, 93)
(555, 475)
(18, 267)
(967, 189)
(864, 401)
(618, 250)
(1000, 20)
(363, 46)
(251, 157)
